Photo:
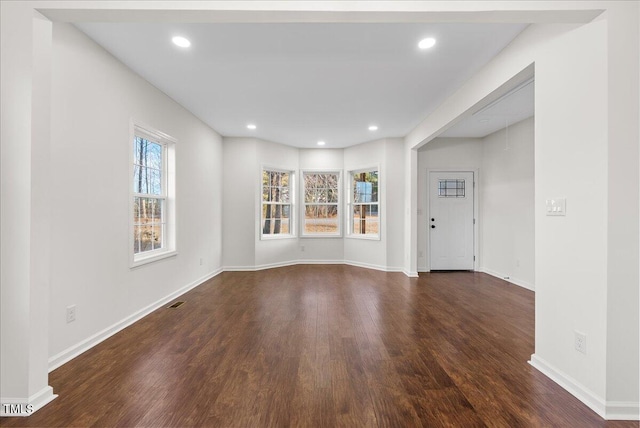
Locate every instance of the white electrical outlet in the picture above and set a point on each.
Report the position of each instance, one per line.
(71, 313)
(580, 341)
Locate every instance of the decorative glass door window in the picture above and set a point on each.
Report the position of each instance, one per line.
(451, 188)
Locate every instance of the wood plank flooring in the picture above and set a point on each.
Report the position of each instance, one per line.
(321, 346)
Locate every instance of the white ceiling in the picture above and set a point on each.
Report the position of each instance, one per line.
(300, 83)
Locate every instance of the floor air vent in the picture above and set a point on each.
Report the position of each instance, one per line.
(176, 305)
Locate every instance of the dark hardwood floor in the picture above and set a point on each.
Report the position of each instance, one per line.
(321, 346)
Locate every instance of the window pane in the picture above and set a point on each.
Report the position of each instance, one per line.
(146, 236)
(154, 181)
(321, 219)
(148, 165)
(451, 188)
(365, 186)
(365, 220)
(154, 156)
(137, 182)
(156, 236)
(309, 181)
(275, 219)
(321, 203)
(137, 243)
(276, 192)
(267, 216)
(148, 224)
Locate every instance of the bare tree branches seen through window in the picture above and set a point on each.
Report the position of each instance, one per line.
(149, 195)
(364, 214)
(276, 202)
(321, 203)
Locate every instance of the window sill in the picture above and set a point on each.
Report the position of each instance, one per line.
(321, 236)
(277, 237)
(141, 261)
(364, 237)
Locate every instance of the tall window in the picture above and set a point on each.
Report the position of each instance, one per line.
(364, 205)
(321, 204)
(276, 203)
(151, 193)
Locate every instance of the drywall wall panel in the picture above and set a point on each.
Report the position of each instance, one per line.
(94, 98)
(367, 251)
(394, 199)
(321, 249)
(507, 204)
(270, 252)
(239, 202)
(462, 154)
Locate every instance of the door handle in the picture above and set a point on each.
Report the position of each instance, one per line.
(433, 219)
(433, 226)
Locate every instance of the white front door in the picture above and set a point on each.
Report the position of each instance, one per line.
(450, 221)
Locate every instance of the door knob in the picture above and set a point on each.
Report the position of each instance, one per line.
(433, 219)
(433, 226)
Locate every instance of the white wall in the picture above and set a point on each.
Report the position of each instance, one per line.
(25, 222)
(238, 202)
(591, 116)
(505, 185)
(242, 247)
(394, 201)
(93, 99)
(366, 251)
(385, 253)
(507, 240)
(581, 139)
(274, 251)
(463, 154)
(322, 249)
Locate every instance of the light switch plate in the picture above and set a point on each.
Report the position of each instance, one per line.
(556, 206)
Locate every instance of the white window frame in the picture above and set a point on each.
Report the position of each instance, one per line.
(350, 204)
(292, 204)
(303, 203)
(168, 143)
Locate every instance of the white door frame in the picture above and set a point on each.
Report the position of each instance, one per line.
(476, 211)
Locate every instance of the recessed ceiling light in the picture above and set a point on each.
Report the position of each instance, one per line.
(321, 143)
(373, 128)
(251, 126)
(427, 43)
(181, 41)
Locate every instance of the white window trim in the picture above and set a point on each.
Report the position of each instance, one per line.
(339, 234)
(168, 143)
(349, 207)
(292, 203)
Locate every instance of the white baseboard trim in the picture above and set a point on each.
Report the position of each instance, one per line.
(258, 267)
(410, 274)
(310, 262)
(319, 262)
(26, 407)
(515, 281)
(609, 410)
(622, 411)
(77, 349)
(372, 266)
(574, 387)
